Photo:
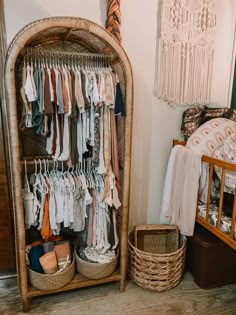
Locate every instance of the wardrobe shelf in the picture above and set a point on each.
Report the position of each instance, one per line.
(78, 282)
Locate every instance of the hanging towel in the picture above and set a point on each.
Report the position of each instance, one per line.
(166, 195)
(182, 189)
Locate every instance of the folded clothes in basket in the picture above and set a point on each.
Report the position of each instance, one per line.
(93, 255)
(48, 246)
(34, 258)
(49, 257)
(49, 262)
(62, 251)
(226, 222)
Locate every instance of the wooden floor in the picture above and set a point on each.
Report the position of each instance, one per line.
(186, 298)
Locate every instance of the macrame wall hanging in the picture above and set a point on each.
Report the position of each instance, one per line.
(113, 18)
(186, 51)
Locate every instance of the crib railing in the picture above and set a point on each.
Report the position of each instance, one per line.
(228, 238)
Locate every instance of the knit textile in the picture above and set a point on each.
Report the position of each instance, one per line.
(186, 51)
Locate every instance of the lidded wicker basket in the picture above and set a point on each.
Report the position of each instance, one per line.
(156, 256)
(55, 281)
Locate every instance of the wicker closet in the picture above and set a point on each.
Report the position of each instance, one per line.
(71, 35)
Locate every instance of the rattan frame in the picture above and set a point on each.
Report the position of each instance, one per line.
(16, 47)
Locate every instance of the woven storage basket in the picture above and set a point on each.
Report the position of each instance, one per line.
(54, 281)
(95, 270)
(160, 269)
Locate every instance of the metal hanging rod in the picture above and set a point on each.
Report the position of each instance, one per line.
(39, 52)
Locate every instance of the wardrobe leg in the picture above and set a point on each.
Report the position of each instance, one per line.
(123, 277)
(122, 285)
(25, 303)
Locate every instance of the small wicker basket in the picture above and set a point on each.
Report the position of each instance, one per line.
(95, 270)
(159, 269)
(52, 282)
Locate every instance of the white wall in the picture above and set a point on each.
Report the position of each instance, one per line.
(155, 123)
(223, 52)
(20, 13)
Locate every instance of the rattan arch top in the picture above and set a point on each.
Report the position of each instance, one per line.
(65, 28)
(65, 33)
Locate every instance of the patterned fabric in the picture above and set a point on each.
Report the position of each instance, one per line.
(107, 149)
(195, 116)
(207, 139)
(187, 41)
(191, 120)
(211, 135)
(226, 222)
(227, 152)
(114, 18)
(107, 138)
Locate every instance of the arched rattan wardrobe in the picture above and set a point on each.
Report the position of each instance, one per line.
(72, 35)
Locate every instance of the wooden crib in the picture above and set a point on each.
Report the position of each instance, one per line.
(215, 221)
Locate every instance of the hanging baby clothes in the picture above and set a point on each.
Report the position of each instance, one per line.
(72, 200)
(68, 105)
(74, 106)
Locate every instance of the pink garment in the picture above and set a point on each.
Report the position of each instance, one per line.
(109, 90)
(107, 138)
(115, 198)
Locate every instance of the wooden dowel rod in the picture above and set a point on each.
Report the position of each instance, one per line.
(209, 191)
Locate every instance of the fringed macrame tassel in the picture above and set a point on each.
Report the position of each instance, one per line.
(186, 52)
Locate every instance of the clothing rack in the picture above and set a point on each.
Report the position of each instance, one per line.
(36, 41)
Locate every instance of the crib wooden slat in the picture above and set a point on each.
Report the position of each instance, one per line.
(209, 191)
(221, 198)
(178, 142)
(233, 216)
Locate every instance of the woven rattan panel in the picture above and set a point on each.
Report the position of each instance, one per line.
(51, 34)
